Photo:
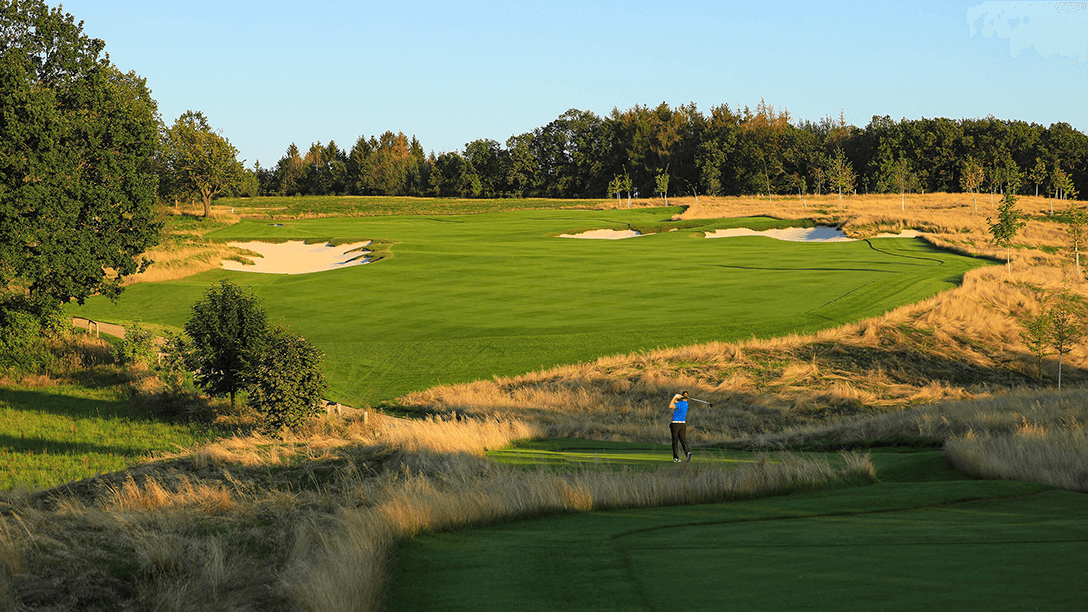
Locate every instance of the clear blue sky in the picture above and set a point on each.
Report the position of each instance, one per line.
(273, 72)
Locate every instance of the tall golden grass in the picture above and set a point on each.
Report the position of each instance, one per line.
(184, 252)
(1055, 455)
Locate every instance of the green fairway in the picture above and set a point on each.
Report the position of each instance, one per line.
(569, 453)
(924, 538)
(471, 296)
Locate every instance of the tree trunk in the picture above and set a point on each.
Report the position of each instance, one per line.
(903, 200)
(207, 197)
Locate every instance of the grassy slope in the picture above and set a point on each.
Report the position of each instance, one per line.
(57, 434)
(82, 415)
(923, 535)
(469, 297)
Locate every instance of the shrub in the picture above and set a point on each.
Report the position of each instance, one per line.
(289, 384)
(21, 331)
(138, 346)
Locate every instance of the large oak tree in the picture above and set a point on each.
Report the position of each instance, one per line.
(203, 160)
(77, 186)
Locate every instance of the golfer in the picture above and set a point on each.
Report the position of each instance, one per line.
(679, 425)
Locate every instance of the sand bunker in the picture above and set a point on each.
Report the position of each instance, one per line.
(820, 233)
(298, 257)
(604, 234)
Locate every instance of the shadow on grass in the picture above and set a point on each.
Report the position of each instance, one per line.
(46, 446)
(73, 406)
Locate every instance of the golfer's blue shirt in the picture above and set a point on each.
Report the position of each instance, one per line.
(681, 411)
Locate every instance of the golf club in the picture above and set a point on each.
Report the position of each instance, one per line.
(700, 401)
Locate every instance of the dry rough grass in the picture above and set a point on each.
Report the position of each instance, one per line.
(1055, 455)
(183, 251)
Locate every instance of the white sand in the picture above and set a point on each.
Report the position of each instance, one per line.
(820, 233)
(298, 257)
(604, 234)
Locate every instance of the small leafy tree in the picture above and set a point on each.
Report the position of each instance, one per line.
(1060, 182)
(1009, 221)
(663, 185)
(1076, 220)
(1036, 336)
(972, 177)
(616, 187)
(819, 177)
(627, 186)
(1038, 175)
(1066, 330)
(227, 328)
(841, 174)
(903, 179)
(288, 384)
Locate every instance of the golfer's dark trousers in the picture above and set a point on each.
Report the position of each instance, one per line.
(679, 434)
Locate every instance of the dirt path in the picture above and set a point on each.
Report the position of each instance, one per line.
(97, 327)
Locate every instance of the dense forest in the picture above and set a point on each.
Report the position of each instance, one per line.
(725, 152)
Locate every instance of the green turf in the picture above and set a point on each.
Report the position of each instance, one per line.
(472, 296)
(943, 542)
(52, 435)
(570, 453)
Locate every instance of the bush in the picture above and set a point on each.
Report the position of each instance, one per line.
(138, 346)
(21, 330)
(289, 384)
(20, 343)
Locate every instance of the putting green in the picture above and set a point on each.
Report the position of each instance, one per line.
(472, 296)
(944, 542)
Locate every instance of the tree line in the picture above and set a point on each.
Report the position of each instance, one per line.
(642, 151)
